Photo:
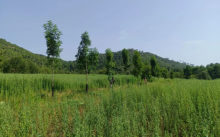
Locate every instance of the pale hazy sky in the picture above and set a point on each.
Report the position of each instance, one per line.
(186, 30)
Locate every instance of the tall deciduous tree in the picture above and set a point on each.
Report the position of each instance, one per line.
(52, 36)
(125, 57)
(86, 58)
(110, 65)
(137, 71)
(153, 63)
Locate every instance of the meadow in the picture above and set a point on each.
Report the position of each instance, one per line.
(161, 108)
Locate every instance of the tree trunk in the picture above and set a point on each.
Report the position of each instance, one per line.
(86, 78)
(52, 80)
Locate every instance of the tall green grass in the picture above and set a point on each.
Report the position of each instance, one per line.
(18, 84)
(163, 108)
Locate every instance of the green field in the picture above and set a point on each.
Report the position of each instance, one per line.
(176, 107)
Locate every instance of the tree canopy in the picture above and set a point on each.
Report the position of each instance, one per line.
(83, 51)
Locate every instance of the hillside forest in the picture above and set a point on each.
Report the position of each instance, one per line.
(15, 59)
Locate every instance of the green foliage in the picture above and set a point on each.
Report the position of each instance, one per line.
(146, 71)
(52, 36)
(1, 56)
(171, 74)
(12, 50)
(15, 65)
(204, 75)
(192, 77)
(93, 58)
(158, 71)
(54, 61)
(137, 62)
(153, 63)
(83, 51)
(164, 73)
(145, 56)
(102, 71)
(187, 72)
(110, 65)
(125, 57)
(178, 74)
(33, 68)
(214, 70)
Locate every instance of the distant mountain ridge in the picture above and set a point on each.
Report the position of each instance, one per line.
(12, 50)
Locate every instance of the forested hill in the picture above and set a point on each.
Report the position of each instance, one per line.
(145, 56)
(39, 61)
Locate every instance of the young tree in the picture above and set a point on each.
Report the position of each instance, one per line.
(110, 65)
(171, 74)
(52, 36)
(86, 57)
(153, 63)
(137, 71)
(125, 57)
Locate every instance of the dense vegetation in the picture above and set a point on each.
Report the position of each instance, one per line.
(10, 51)
(14, 59)
(163, 108)
(211, 71)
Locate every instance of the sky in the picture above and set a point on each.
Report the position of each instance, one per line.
(181, 30)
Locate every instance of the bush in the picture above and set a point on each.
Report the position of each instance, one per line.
(193, 77)
(204, 75)
(168, 80)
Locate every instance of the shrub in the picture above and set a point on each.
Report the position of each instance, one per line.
(204, 75)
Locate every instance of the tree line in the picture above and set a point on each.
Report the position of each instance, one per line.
(11, 51)
(211, 71)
